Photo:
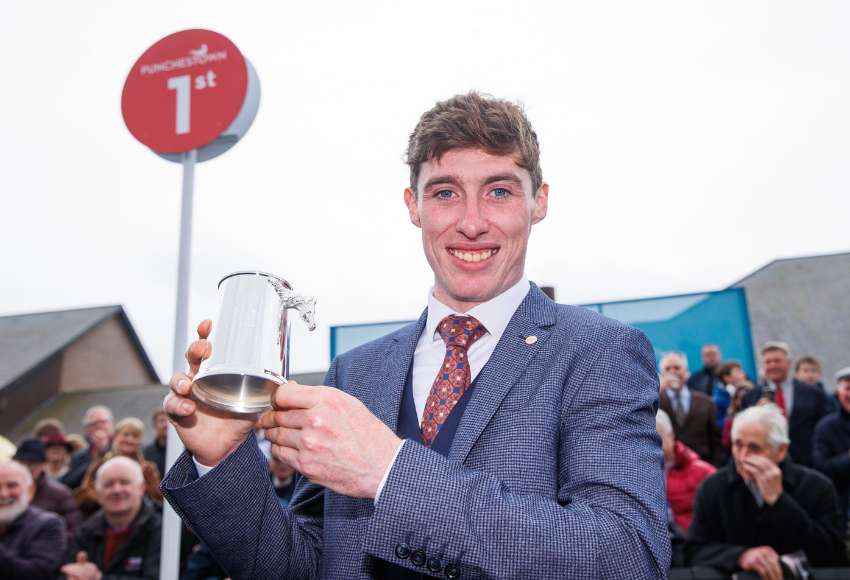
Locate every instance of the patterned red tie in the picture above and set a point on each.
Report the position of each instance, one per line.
(454, 377)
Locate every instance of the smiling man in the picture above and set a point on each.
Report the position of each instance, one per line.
(500, 435)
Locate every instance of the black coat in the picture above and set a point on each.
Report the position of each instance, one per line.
(810, 405)
(727, 519)
(138, 557)
(32, 546)
(832, 453)
(703, 381)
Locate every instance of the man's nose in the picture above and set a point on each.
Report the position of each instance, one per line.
(473, 222)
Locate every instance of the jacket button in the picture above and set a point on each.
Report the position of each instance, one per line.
(434, 564)
(417, 557)
(402, 551)
(452, 572)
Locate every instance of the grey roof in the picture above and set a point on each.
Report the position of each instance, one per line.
(27, 340)
(772, 263)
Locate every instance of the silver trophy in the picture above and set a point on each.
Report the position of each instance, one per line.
(250, 342)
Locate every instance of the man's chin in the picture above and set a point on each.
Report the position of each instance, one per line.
(10, 513)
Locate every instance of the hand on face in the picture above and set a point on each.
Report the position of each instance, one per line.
(766, 474)
(209, 434)
(329, 437)
(762, 560)
(670, 381)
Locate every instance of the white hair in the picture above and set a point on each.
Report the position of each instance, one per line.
(662, 423)
(92, 410)
(19, 467)
(768, 416)
(135, 468)
(683, 358)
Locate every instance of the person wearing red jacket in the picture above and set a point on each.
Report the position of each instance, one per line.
(684, 470)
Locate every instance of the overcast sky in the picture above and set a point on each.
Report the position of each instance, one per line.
(685, 143)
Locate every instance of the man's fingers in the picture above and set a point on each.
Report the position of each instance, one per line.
(284, 437)
(197, 352)
(291, 395)
(287, 455)
(82, 557)
(204, 328)
(181, 385)
(178, 407)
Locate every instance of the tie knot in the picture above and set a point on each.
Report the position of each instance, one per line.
(460, 331)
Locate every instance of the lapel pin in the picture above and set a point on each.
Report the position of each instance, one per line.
(529, 340)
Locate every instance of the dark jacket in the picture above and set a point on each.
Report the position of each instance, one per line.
(33, 546)
(727, 519)
(703, 381)
(80, 462)
(832, 453)
(810, 405)
(699, 430)
(138, 557)
(155, 454)
(55, 497)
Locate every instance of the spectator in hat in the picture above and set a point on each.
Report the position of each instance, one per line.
(126, 443)
(50, 495)
(762, 506)
(832, 443)
(155, 452)
(802, 404)
(58, 451)
(99, 427)
(32, 541)
(121, 540)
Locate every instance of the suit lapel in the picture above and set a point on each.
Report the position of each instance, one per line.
(394, 369)
(505, 366)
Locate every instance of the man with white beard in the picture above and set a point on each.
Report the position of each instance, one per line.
(32, 541)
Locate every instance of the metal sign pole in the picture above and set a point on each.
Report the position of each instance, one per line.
(171, 525)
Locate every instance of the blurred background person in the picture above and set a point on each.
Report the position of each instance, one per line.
(127, 443)
(807, 370)
(283, 480)
(49, 495)
(705, 379)
(32, 541)
(802, 404)
(121, 540)
(832, 443)
(48, 426)
(762, 506)
(735, 406)
(98, 425)
(693, 413)
(684, 472)
(155, 451)
(58, 453)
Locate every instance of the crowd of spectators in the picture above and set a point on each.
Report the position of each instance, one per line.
(89, 507)
(758, 472)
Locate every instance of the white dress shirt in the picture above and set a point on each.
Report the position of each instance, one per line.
(495, 314)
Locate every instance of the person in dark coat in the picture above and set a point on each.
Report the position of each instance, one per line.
(122, 539)
(50, 495)
(706, 379)
(762, 506)
(155, 452)
(32, 541)
(99, 426)
(803, 405)
(832, 443)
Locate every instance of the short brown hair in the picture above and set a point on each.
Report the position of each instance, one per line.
(727, 368)
(806, 360)
(474, 120)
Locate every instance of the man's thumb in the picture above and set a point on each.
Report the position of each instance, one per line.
(82, 557)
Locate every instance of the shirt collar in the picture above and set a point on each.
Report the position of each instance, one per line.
(495, 314)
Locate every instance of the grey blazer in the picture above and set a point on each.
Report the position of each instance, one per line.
(555, 470)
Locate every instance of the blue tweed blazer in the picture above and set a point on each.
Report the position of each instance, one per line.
(555, 470)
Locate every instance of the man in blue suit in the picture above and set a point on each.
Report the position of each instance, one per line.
(499, 436)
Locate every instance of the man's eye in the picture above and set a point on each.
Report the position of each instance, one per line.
(501, 192)
(444, 194)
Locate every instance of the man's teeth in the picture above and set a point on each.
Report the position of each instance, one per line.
(472, 256)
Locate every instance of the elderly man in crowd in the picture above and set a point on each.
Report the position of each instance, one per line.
(685, 472)
(123, 538)
(693, 413)
(802, 404)
(749, 514)
(50, 495)
(705, 379)
(99, 427)
(832, 443)
(32, 541)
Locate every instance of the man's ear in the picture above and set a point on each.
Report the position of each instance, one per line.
(541, 203)
(412, 206)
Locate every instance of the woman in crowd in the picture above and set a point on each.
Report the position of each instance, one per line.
(128, 443)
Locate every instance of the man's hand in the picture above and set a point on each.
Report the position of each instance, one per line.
(209, 434)
(762, 560)
(767, 475)
(82, 569)
(669, 381)
(329, 437)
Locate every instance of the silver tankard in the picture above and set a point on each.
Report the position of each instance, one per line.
(250, 342)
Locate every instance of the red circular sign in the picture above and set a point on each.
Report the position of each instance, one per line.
(184, 91)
